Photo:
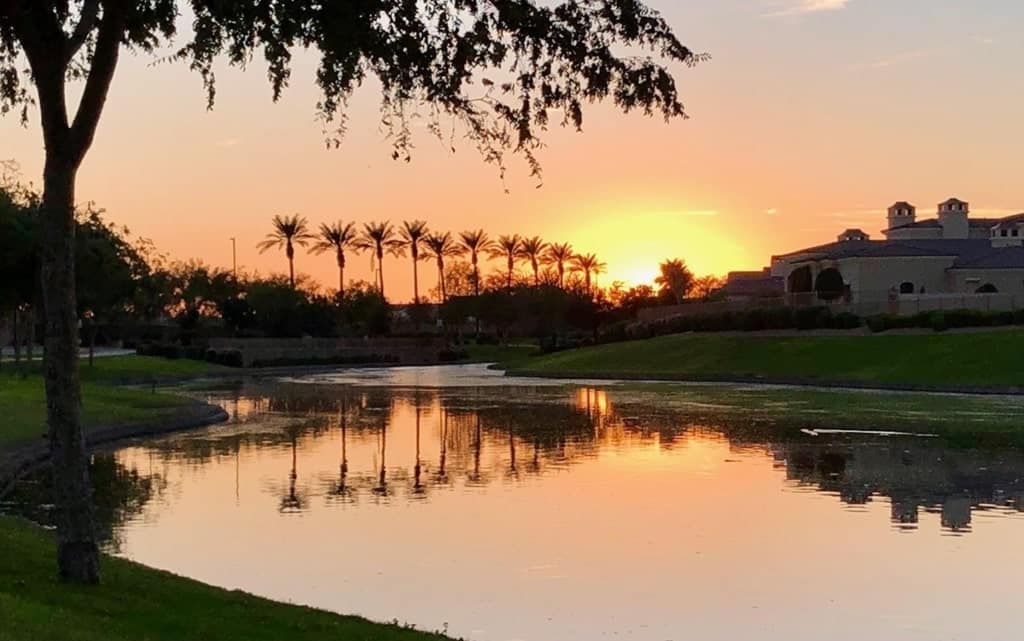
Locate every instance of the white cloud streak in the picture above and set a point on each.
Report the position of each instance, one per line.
(810, 6)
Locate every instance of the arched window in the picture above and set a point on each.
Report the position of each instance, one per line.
(907, 288)
(800, 281)
(987, 288)
(829, 285)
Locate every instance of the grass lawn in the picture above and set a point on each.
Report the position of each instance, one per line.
(507, 356)
(135, 602)
(963, 359)
(23, 402)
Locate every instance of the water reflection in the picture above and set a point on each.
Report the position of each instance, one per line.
(561, 512)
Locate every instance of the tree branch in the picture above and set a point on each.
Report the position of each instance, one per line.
(39, 32)
(101, 73)
(86, 23)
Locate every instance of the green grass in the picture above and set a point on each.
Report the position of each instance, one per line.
(23, 408)
(23, 401)
(507, 356)
(962, 359)
(135, 602)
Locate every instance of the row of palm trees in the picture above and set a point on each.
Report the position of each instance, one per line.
(413, 238)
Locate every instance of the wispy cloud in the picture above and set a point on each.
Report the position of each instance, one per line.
(800, 7)
(895, 59)
(228, 142)
(771, 212)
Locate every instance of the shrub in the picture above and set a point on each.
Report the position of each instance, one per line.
(225, 357)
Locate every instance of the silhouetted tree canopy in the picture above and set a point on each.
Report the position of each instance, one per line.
(430, 55)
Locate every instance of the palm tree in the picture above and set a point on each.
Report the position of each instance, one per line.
(476, 242)
(412, 235)
(589, 265)
(378, 238)
(288, 232)
(532, 250)
(337, 237)
(507, 247)
(440, 246)
(675, 279)
(558, 254)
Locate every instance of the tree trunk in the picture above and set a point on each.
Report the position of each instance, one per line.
(440, 281)
(415, 279)
(341, 273)
(30, 345)
(380, 272)
(77, 551)
(16, 337)
(92, 341)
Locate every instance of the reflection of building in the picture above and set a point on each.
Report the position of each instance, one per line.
(916, 475)
(949, 254)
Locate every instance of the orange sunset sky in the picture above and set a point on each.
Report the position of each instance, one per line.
(811, 117)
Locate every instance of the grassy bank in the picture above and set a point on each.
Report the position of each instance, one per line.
(23, 402)
(967, 359)
(508, 356)
(135, 602)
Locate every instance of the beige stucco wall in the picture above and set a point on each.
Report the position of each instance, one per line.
(1007, 281)
(871, 279)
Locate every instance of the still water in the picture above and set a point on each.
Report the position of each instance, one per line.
(450, 499)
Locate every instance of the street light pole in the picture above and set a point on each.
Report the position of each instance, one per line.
(234, 258)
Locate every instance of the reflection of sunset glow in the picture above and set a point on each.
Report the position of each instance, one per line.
(590, 483)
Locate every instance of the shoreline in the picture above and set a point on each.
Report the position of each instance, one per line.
(19, 461)
(963, 390)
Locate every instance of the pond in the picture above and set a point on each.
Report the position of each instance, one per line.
(501, 510)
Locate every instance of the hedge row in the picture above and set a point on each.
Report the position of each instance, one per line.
(808, 318)
(945, 319)
(752, 320)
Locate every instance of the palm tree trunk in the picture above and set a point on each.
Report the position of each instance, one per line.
(511, 267)
(415, 278)
(536, 273)
(77, 549)
(440, 280)
(341, 273)
(380, 271)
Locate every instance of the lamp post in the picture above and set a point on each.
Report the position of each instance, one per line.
(234, 258)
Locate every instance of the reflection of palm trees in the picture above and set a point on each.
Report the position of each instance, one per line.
(381, 488)
(512, 454)
(475, 477)
(417, 486)
(292, 502)
(442, 474)
(342, 488)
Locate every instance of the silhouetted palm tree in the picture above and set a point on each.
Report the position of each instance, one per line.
(288, 232)
(589, 265)
(675, 279)
(378, 238)
(337, 237)
(412, 235)
(559, 254)
(507, 247)
(532, 250)
(440, 246)
(476, 242)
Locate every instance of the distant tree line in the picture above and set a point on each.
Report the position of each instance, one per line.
(128, 291)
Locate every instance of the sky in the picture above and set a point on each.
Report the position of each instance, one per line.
(811, 117)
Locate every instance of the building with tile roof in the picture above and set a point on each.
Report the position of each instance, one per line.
(950, 254)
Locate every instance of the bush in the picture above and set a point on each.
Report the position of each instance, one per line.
(225, 357)
(452, 355)
(942, 320)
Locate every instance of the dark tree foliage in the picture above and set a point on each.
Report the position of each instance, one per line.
(496, 71)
